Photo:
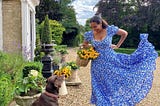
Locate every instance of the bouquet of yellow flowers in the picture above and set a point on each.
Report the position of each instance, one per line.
(86, 54)
(65, 70)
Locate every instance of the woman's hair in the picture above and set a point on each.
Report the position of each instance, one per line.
(99, 20)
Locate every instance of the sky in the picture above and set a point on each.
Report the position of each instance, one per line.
(84, 10)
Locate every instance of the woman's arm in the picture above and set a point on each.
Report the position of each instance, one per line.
(85, 44)
(123, 35)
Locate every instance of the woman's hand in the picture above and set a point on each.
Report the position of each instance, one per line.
(114, 46)
(85, 44)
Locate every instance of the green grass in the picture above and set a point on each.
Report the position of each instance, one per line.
(125, 50)
(158, 52)
(129, 51)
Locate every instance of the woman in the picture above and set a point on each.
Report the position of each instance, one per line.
(118, 79)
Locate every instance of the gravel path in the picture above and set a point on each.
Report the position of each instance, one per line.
(80, 95)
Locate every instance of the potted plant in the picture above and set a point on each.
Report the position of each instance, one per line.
(55, 62)
(63, 71)
(28, 89)
(74, 78)
(46, 47)
(46, 37)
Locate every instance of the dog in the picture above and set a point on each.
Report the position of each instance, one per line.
(50, 96)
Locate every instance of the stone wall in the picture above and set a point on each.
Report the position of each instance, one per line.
(12, 26)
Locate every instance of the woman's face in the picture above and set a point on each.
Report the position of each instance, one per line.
(96, 27)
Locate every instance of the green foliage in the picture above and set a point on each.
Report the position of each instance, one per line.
(38, 54)
(52, 8)
(158, 52)
(6, 89)
(57, 31)
(125, 50)
(10, 72)
(87, 25)
(73, 65)
(62, 49)
(78, 40)
(46, 33)
(129, 51)
(30, 85)
(63, 12)
(37, 51)
(31, 66)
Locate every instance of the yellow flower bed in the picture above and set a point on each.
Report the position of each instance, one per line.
(88, 53)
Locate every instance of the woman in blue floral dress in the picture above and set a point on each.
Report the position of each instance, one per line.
(119, 79)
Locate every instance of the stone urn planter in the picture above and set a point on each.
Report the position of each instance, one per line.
(66, 72)
(29, 88)
(63, 89)
(74, 78)
(26, 100)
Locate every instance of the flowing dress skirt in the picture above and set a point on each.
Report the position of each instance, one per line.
(123, 79)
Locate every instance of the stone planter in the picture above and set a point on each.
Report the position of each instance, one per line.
(73, 79)
(26, 100)
(63, 89)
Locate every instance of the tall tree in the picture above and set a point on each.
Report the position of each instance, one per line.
(50, 8)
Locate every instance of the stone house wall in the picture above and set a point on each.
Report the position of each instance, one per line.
(12, 27)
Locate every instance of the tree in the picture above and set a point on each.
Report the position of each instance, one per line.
(70, 23)
(46, 37)
(50, 8)
(63, 12)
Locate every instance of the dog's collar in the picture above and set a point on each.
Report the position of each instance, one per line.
(51, 95)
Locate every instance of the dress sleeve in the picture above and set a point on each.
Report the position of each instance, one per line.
(88, 36)
(113, 29)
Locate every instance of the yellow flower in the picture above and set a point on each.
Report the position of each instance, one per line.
(88, 53)
(63, 71)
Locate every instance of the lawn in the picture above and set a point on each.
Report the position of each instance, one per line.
(129, 51)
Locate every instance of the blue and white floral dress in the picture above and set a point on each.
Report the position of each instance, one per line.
(120, 79)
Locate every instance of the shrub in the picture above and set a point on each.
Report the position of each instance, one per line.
(31, 66)
(10, 72)
(62, 49)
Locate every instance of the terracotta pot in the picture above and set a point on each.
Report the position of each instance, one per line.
(26, 100)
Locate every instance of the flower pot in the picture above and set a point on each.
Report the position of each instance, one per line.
(73, 79)
(63, 89)
(26, 100)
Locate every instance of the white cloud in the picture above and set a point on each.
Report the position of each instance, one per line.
(84, 9)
